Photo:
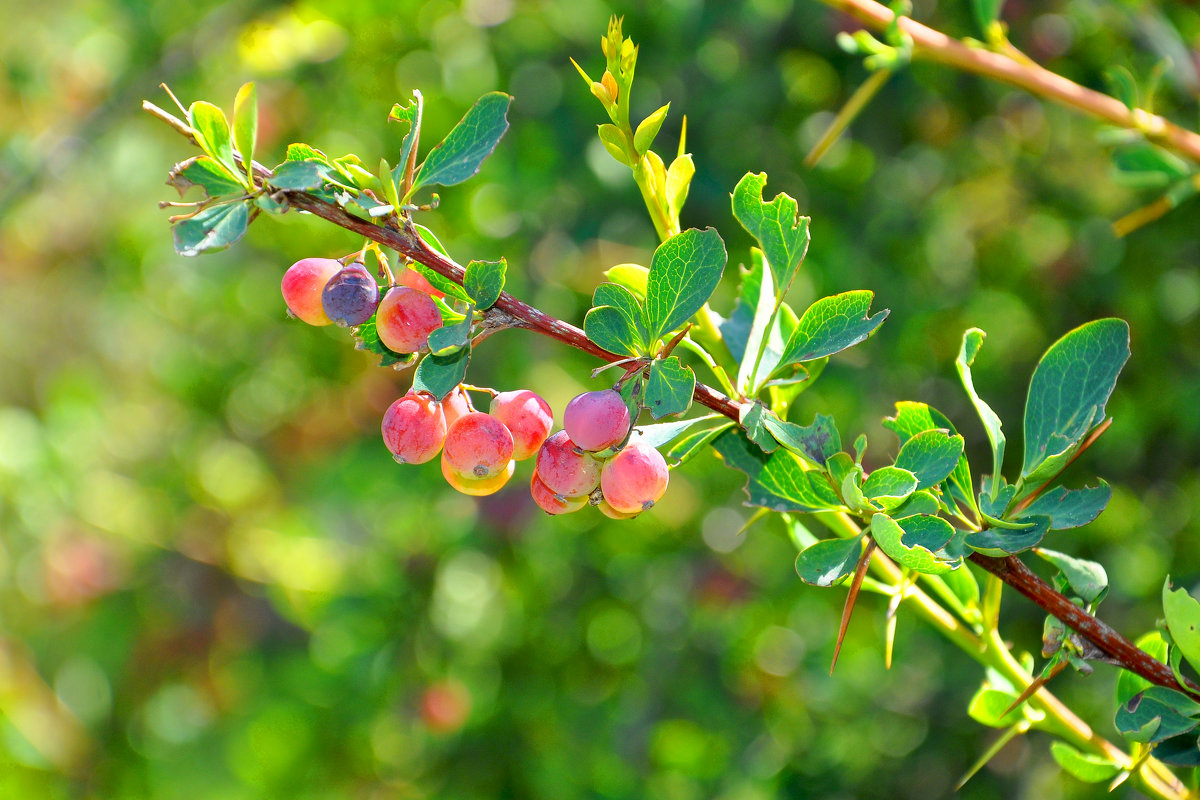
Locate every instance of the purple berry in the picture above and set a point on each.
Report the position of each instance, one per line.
(351, 296)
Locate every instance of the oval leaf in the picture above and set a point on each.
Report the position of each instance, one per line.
(669, 388)
(462, 152)
(484, 281)
(212, 229)
(832, 324)
(931, 456)
(1183, 621)
(828, 561)
(684, 272)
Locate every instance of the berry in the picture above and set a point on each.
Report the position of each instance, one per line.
(527, 416)
(477, 487)
(405, 318)
(597, 420)
(550, 502)
(414, 428)
(445, 706)
(351, 296)
(415, 280)
(564, 470)
(302, 285)
(478, 446)
(455, 405)
(607, 510)
(634, 479)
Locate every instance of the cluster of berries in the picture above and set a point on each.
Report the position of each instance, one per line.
(479, 451)
(320, 291)
(589, 461)
(585, 462)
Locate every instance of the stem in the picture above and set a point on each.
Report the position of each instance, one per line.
(857, 102)
(938, 47)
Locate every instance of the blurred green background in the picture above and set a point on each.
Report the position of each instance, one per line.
(215, 583)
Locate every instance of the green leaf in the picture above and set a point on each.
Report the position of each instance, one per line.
(662, 433)
(972, 341)
(1000, 542)
(679, 180)
(643, 137)
(460, 154)
(613, 139)
(615, 321)
(439, 281)
(214, 178)
(931, 456)
(1087, 579)
(1070, 508)
(1179, 751)
(986, 12)
(298, 151)
(213, 229)
(780, 230)
(988, 706)
(913, 418)
(245, 122)
(779, 482)
(692, 443)
(484, 281)
(1086, 767)
(367, 338)
(913, 542)
(409, 115)
(438, 375)
(1148, 160)
(962, 582)
(629, 276)
(1157, 714)
(299, 175)
(889, 484)
(752, 417)
(817, 442)
(669, 388)
(1123, 85)
(1129, 684)
(211, 130)
(684, 272)
(1068, 393)
(919, 502)
(829, 561)
(757, 303)
(832, 324)
(1183, 621)
(449, 339)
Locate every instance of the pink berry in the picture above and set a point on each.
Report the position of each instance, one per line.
(477, 487)
(565, 471)
(596, 420)
(478, 446)
(634, 479)
(455, 405)
(414, 429)
(302, 286)
(550, 502)
(405, 318)
(527, 416)
(415, 280)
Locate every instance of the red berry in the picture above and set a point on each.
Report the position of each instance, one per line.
(455, 405)
(527, 416)
(414, 429)
(565, 471)
(597, 420)
(405, 318)
(550, 502)
(302, 286)
(478, 446)
(634, 479)
(415, 280)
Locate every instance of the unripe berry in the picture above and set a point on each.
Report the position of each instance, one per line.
(302, 286)
(405, 318)
(415, 280)
(607, 510)
(477, 487)
(527, 416)
(634, 479)
(596, 420)
(351, 296)
(478, 446)
(414, 429)
(455, 405)
(565, 471)
(550, 502)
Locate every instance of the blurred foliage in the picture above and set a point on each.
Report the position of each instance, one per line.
(214, 582)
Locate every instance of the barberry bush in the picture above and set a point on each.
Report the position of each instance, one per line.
(643, 328)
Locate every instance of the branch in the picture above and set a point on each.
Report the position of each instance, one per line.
(936, 46)
(407, 242)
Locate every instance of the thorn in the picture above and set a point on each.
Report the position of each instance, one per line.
(991, 752)
(1038, 683)
(860, 572)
